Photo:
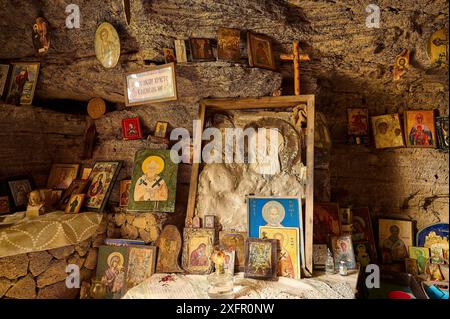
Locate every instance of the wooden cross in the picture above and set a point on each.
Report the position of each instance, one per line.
(297, 58)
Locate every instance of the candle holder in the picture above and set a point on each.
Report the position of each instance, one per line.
(220, 282)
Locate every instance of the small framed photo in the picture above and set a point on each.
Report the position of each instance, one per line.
(75, 203)
(232, 240)
(196, 222)
(62, 175)
(229, 44)
(23, 83)
(154, 84)
(4, 72)
(387, 131)
(261, 259)
(421, 254)
(320, 254)
(419, 129)
(125, 186)
(180, 51)
(169, 55)
(260, 51)
(342, 248)
(78, 186)
(203, 49)
(394, 238)
(4, 205)
(161, 129)
(20, 188)
(230, 256)
(209, 221)
(131, 128)
(198, 247)
(358, 121)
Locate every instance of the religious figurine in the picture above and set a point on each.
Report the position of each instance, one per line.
(169, 247)
(41, 40)
(35, 204)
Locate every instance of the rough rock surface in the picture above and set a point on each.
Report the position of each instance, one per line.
(25, 288)
(55, 272)
(58, 290)
(62, 252)
(39, 262)
(14, 266)
(5, 284)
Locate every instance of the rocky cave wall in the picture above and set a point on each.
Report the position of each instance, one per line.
(351, 66)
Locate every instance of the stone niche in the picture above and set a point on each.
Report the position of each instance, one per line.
(223, 187)
(42, 274)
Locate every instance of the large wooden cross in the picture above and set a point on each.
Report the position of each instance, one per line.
(297, 58)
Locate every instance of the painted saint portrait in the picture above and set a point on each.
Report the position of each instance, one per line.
(202, 49)
(326, 222)
(153, 185)
(19, 190)
(161, 129)
(4, 205)
(387, 131)
(234, 241)
(124, 192)
(169, 55)
(358, 121)
(107, 45)
(288, 249)
(395, 236)
(111, 269)
(75, 203)
(141, 265)
(169, 248)
(362, 253)
(102, 179)
(62, 175)
(272, 212)
(260, 51)
(77, 186)
(421, 254)
(131, 128)
(229, 44)
(41, 35)
(23, 83)
(4, 71)
(343, 251)
(198, 249)
(420, 129)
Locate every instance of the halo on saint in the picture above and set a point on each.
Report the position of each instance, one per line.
(154, 162)
(115, 255)
(273, 213)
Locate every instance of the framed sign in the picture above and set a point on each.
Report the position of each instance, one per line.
(155, 84)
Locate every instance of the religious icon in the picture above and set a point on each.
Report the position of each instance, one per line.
(437, 48)
(75, 203)
(288, 249)
(140, 266)
(358, 125)
(197, 250)
(260, 51)
(154, 180)
(342, 248)
(387, 131)
(261, 258)
(161, 129)
(442, 135)
(102, 179)
(421, 254)
(401, 64)
(434, 272)
(196, 222)
(230, 240)
(86, 172)
(229, 44)
(320, 256)
(20, 188)
(169, 248)
(41, 36)
(23, 83)
(107, 45)
(35, 204)
(394, 238)
(419, 129)
(272, 212)
(62, 175)
(411, 266)
(362, 255)
(124, 192)
(435, 236)
(326, 222)
(229, 261)
(202, 49)
(180, 51)
(169, 55)
(210, 221)
(4, 205)
(131, 128)
(111, 265)
(437, 255)
(4, 71)
(362, 230)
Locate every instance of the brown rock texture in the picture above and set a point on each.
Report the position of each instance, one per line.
(55, 272)
(14, 266)
(25, 288)
(62, 252)
(91, 259)
(58, 290)
(5, 284)
(39, 262)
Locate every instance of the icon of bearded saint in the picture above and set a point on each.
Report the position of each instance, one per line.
(40, 35)
(151, 186)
